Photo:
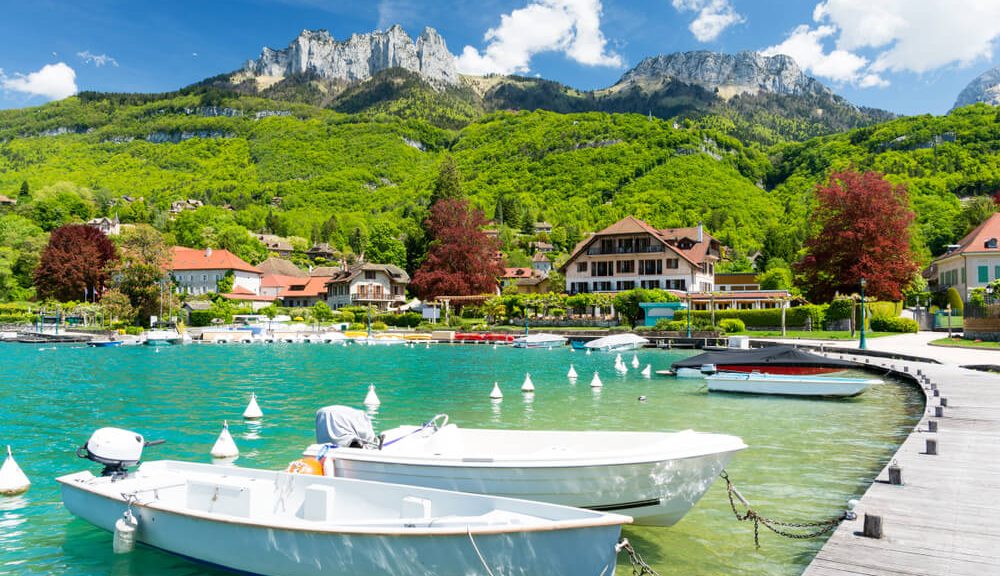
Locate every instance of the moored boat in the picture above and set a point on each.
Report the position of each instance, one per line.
(161, 337)
(655, 477)
(617, 343)
(277, 523)
(104, 343)
(787, 385)
(539, 340)
(769, 360)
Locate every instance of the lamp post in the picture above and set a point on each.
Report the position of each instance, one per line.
(689, 315)
(863, 345)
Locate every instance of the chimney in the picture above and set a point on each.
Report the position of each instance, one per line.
(208, 252)
(701, 233)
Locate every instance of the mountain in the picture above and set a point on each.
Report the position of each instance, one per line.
(984, 88)
(316, 54)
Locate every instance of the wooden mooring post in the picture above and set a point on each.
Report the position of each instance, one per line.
(872, 527)
(895, 474)
(931, 448)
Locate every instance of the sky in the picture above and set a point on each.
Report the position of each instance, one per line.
(906, 56)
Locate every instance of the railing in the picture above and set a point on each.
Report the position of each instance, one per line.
(597, 250)
(370, 296)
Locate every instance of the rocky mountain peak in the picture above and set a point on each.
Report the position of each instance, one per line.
(358, 58)
(729, 74)
(984, 88)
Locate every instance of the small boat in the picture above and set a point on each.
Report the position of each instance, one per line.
(578, 344)
(768, 360)
(617, 343)
(655, 477)
(278, 523)
(783, 384)
(163, 337)
(539, 341)
(104, 343)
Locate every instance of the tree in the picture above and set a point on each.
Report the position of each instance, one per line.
(448, 185)
(140, 272)
(976, 210)
(61, 203)
(775, 279)
(117, 307)
(25, 242)
(25, 192)
(627, 303)
(383, 245)
(462, 259)
(357, 240)
(73, 264)
(862, 225)
(224, 285)
(321, 312)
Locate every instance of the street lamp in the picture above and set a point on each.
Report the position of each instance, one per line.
(689, 315)
(863, 345)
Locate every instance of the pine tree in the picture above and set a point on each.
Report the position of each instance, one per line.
(449, 182)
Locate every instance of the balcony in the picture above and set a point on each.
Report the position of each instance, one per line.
(376, 297)
(598, 251)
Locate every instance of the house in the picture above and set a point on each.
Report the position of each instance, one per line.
(276, 244)
(380, 285)
(107, 226)
(5, 201)
(256, 301)
(539, 246)
(322, 250)
(305, 291)
(198, 271)
(543, 227)
(536, 284)
(181, 205)
(541, 263)
(277, 274)
(737, 281)
(632, 254)
(510, 276)
(972, 263)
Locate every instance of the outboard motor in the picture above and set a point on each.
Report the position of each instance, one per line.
(344, 426)
(116, 449)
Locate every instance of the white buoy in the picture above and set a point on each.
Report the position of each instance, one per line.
(371, 399)
(427, 346)
(496, 394)
(125, 528)
(647, 371)
(621, 369)
(635, 361)
(595, 382)
(618, 358)
(225, 447)
(588, 351)
(12, 479)
(253, 411)
(572, 373)
(528, 385)
(571, 349)
(494, 346)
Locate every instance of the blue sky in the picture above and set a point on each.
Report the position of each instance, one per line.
(907, 56)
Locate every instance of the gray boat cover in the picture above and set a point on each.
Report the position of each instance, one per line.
(769, 355)
(343, 426)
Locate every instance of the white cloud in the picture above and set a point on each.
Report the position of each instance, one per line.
(96, 59)
(53, 81)
(887, 36)
(714, 16)
(572, 27)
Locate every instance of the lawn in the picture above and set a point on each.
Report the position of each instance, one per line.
(963, 343)
(814, 334)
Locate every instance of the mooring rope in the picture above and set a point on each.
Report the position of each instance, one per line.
(817, 528)
(478, 553)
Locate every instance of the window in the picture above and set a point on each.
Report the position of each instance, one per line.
(369, 274)
(578, 287)
(650, 267)
(581, 266)
(963, 276)
(650, 283)
(624, 245)
(625, 266)
(625, 285)
(996, 272)
(984, 274)
(602, 286)
(602, 269)
(673, 263)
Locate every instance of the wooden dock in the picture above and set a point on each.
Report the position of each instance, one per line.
(944, 520)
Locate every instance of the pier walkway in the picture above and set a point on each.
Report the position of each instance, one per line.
(945, 517)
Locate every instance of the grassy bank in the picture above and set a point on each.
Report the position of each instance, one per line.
(963, 343)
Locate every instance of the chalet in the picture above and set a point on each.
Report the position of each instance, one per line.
(182, 205)
(541, 263)
(278, 274)
(632, 254)
(510, 276)
(380, 285)
(5, 201)
(107, 226)
(321, 250)
(539, 246)
(198, 271)
(972, 263)
(276, 244)
(536, 284)
(543, 227)
(305, 291)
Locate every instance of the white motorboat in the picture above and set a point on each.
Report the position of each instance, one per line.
(801, 385)
(617, 343)
(380, 340)
(277, 523)
(539, 340)
(161, 337)
(655, 477)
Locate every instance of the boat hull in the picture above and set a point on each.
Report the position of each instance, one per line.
(104, 343)
(654, 493)
(256, 549)
(788, 385)
(777, 369)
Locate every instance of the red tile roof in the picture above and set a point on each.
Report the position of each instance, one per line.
(313, 286)
(979, 239)
(250, 296)
(516, 273)
(197, 259)
(280, 280)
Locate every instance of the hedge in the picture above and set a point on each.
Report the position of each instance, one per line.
(405, 320)
(17, 318)
(894, 324)
(767, 318)
(201, 317)
(729, 325)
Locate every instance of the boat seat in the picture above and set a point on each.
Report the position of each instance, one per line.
(317, 504)
(230, 497)
(415, 508)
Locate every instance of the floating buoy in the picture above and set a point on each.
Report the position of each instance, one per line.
(635, 361)
(642, 398)
(125, 528)
(427, 346)
(371, 399)
(496, 394)
(621, 368)
(528, 385)
(12, 479)
(225, 447)
(588, 351)
(647, 371)
(618, 358)
(494, 346)
(253, 409)
(307, 465)
(572, 373)
(595, 382)
(571, 349)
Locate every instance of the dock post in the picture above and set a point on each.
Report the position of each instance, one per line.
(931, 447)
(935, 392)
(932, 426)
(895, 474)
(939, 411)
(873, 526)
(944, 401)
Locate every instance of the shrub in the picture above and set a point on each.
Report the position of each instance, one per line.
(955, 299)
(770, 317)
(356, 326)
(730, 325)
(839, 309)
(346, 316)
(557, 312)
(893, 324)
(379, 325)
(671, 325)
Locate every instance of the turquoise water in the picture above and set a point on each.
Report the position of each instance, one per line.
(806, 457)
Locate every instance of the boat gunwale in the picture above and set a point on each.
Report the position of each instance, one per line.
(600, 520)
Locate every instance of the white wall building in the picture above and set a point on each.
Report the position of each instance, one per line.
(197, 271)
(380, 285)
(972, 263)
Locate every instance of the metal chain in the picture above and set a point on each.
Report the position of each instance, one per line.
(639, 566)
(772, 525)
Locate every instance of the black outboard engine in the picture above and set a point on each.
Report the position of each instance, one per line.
(116, 449)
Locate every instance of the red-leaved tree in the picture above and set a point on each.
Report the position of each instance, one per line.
(461, 260)
(73, 264)
(862, 230)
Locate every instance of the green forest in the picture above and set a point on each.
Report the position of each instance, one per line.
(321, 175)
